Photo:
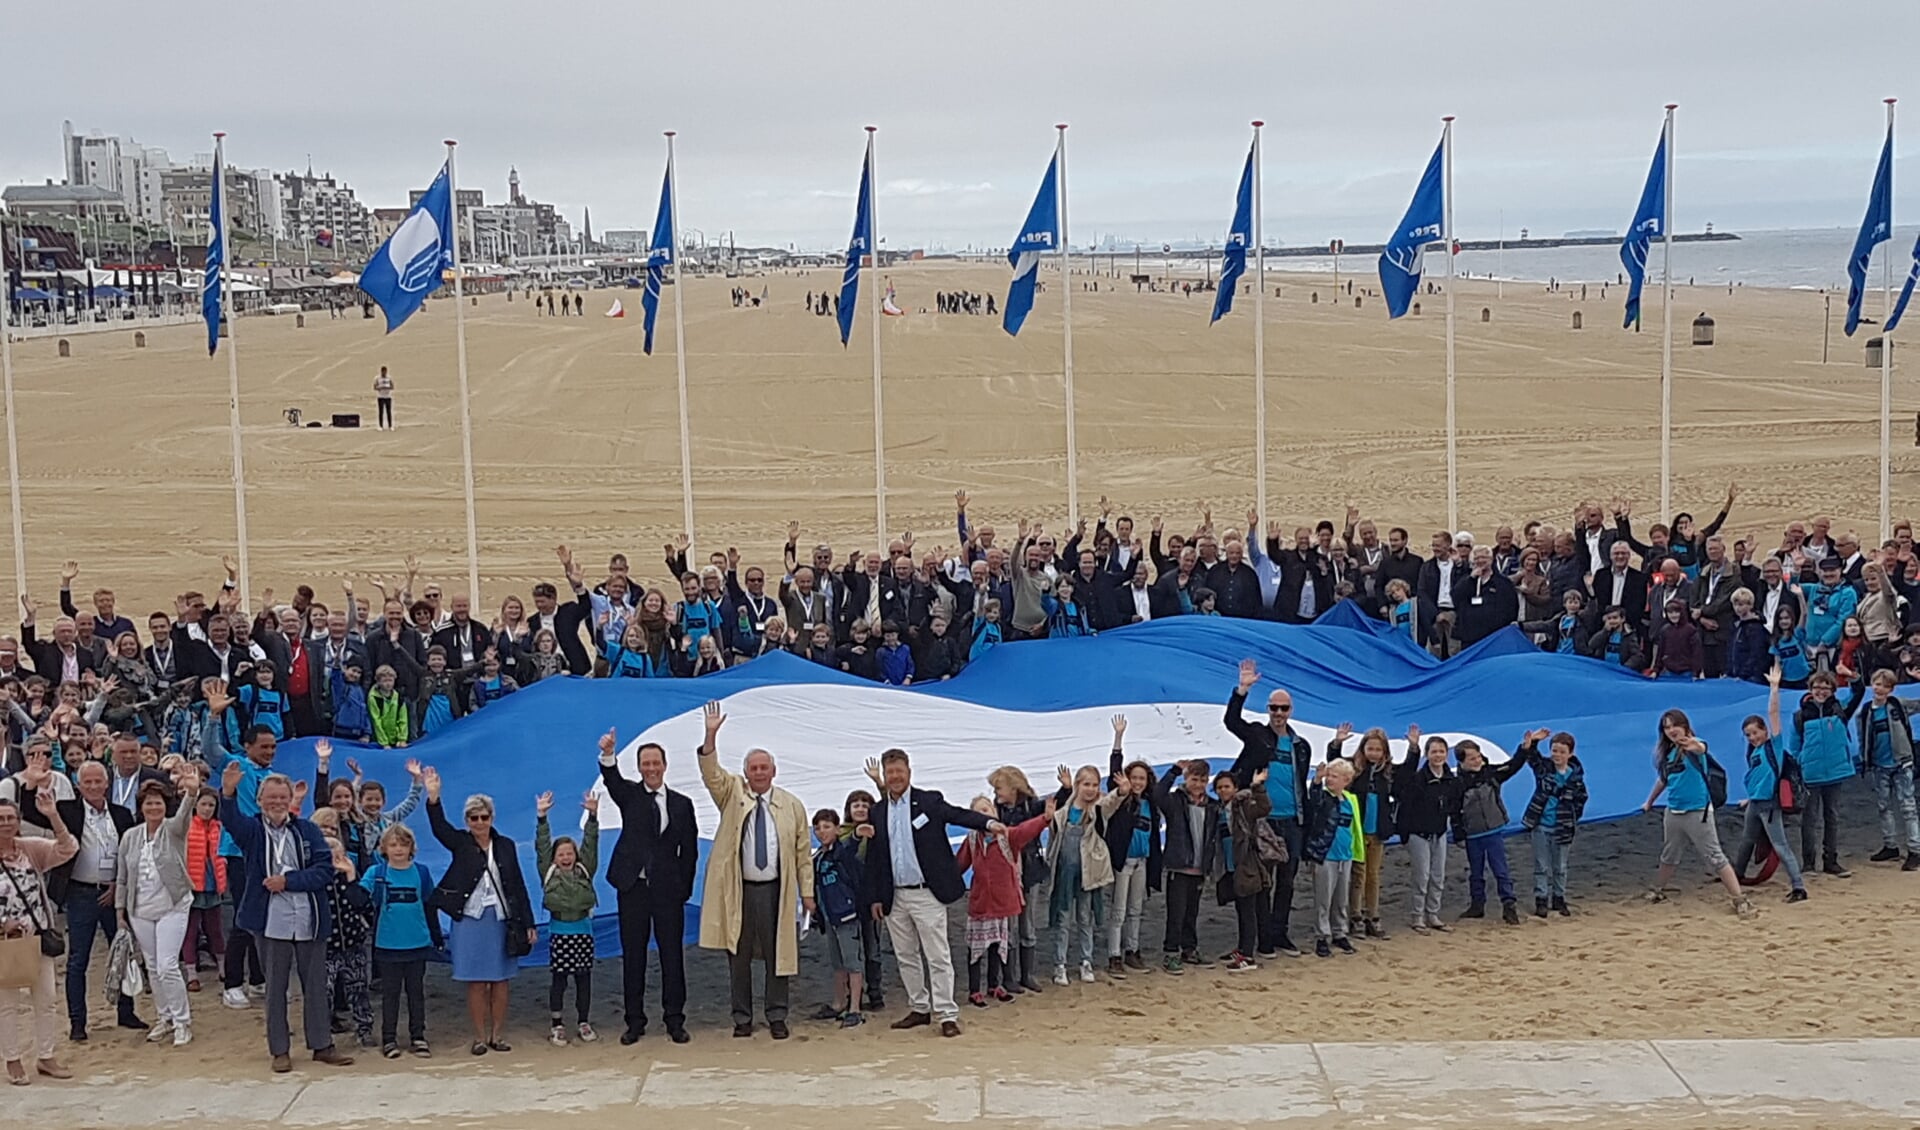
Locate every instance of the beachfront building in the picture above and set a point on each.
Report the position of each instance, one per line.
(322, 211)
(119, 165)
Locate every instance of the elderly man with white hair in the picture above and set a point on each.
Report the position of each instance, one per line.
(760, 867)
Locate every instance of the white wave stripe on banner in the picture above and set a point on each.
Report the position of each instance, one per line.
(820, 737)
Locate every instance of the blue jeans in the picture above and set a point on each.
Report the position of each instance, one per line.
(85, 918)
(1893, 794)
(1549, 865)
(1484, 853)
(1762, 818)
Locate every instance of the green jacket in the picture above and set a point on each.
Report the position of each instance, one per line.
(569, 894)
(392, 721)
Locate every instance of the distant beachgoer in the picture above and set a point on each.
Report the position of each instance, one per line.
(383, 397)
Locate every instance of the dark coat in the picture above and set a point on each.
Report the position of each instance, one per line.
(1427, 804)
(469, 863)
(1483, 606)
(669, 861)
(930, 816)
(407, 657)
(311, 878)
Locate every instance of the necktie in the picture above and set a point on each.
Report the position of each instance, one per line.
(653, 814)
(760, 834)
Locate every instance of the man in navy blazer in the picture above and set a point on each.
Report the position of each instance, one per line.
(651, 869)
(911, 879)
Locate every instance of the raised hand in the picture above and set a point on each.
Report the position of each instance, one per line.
(68, 572)
(230, 565)
(543, 804)
(353, 767)
(300, 789)
(413, 565)
(681, 542)
(1053, 805)
(1066, 776)
(1157, 524)
(906, 539)
(711, 715)
(44, 803)
(1259, 776)
(793, 532)
(413, 768)
(1119, 727)
(872, 768)
(590, 801)
(323, 749)
(1774, 676)
(1253, 518)
(960, 499)
(217, 698)
(230, 779)
(1413, 735)
(1249, 675)
(1540, 735)
(1343, 732)
(733, 558)
(608, 744)
(430, 781)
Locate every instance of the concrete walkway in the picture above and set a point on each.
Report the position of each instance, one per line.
(1590, 1083)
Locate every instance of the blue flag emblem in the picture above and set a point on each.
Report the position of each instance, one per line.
(1039, 235)
(1649, 224)
(1424, 223)
(659, 258)
(1233, 260)
(410, 265)
(216, 258)
(1875, 229)
(858, 247)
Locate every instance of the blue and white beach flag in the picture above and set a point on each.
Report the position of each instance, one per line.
(216, 253)
(412, 263)
(1039, 235)
(858, 247)
(1424, 223)
(1233, 260)
(1906, 291)
(1875, 229)
(1649, 223)
(659, 257)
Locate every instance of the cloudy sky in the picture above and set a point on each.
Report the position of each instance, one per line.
(1558, 106)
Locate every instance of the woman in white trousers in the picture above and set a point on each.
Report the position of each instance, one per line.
(154, 897)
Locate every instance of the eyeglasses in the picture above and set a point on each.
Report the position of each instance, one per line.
(479, 818)
(1277, 708)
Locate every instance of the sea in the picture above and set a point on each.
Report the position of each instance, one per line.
(1809, 259)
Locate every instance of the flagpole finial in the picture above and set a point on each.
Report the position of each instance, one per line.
(1890, 101)
(449, 143)
(1673, 106)
(873, 129)
(220, 133)
(670, 132)
(1060, 126)
(1257, 123)
(1447, 118)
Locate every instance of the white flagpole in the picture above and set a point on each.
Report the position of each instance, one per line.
(1666, 336)
(1453, 467)
(1259, 341)
(680, 351)
(233, 365)
(13, 437)
(1066, 332)
(466, 413)
(873, 308)
(1886, 366)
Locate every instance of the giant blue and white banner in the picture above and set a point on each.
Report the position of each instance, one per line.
(1044, 704)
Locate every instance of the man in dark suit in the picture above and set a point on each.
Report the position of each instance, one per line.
(161, 657)
(652, 871)
(1093, 591)
(911, 879)
(327, 655)
(60, 659)
(1236, 584)
(98, 824)
(1621, 585)
(1400, 563)
(126, 775)
(564, 621)
(1483, 600)
(464, 640)
(397, 644)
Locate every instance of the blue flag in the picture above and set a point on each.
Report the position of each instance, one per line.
(1649, 224)
(659, 258)
(410, 264)
(1233, 260)
(1876, 228)
(858, 247)
(1906, 292)
(1039, 235)
(216, 257)
(1424, 223)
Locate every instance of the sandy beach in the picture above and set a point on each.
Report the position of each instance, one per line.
(576, 434)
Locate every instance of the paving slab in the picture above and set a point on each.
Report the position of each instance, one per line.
(1837, 1078)
(1478, 1083)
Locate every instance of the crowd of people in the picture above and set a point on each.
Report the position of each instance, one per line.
(141, 794)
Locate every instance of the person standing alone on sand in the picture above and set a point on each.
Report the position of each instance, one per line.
(383, 398)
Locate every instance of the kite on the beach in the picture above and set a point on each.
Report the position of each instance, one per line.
(616, 310)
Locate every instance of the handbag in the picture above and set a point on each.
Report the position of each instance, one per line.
(51, 943)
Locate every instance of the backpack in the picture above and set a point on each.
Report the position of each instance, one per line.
(1716, 782)
(1787, 784)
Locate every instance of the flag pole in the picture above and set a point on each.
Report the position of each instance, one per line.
(1886, 366)
(466, 412)
(873, 307)
(13, 437)
(1666, 335)
(1259, 340)
(1066, 332)
(680, 351)
(233, 367)
(1453, 465)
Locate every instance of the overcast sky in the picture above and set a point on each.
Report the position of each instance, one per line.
(1559, 106)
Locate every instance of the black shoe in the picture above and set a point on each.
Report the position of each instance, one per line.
(130, 1021)
(631, 1037)
(1884, 855)
(77, 1036)
(1343, 945)
(1539, 908)
(1322, 949)
(1834, 869)
(1509, 913)
(1797, 895)
(1287, 948)
(876, 1002)
(777, 1029)
(1560, 908)
(1475, 910)
(742, 1031)
(678, 1034)
(1912, 863)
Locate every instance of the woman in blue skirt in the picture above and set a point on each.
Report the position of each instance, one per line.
(483, 892)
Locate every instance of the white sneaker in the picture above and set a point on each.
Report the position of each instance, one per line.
(558, 1036)
(1086, 972)
(258, 992)
(182, 1035)
(1059, 974)
(159, 1031)
(236, 998)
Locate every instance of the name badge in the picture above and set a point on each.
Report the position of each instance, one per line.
(1479, 600)
(920, 821)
